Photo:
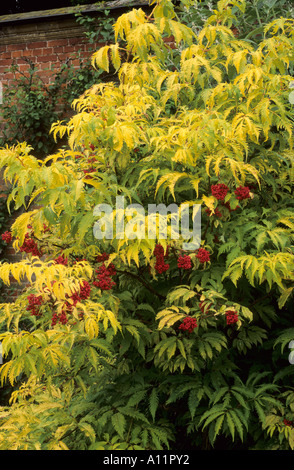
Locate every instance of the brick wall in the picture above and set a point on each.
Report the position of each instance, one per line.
(44, 42)
(51, 37)
(44, 54)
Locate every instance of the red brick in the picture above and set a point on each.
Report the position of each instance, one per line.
(87, 54)
(5, 55)
(5, 62)
(92, 47)
(57, 42)
(9, 76)
(48, 51)
(19, 60)
(47, 58)
(45, 73)
(36, 44)
(3, 70)
(57, 49)
(45, 76)
(37, 52)
(17, 54)
(75, 62)
(26, 53)
(69, 49)
(23, 67)
(43, 66)
(16, 47)
(62, 56)
(80, 40)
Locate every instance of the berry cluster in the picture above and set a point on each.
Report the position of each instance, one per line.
(46, 228)
(231, 317)
(184, 262)
(217, 212)
(61, 260)
(35, 301)
(88, 170)
(242, 192)
(288, 423)
(84, 293)
(203, 255)
(103, 257)
(61, 318)
(160, 265)
(188, 324)
(30, 246)
(7, 237)
(104, 276)
(34, 304)
(219, 191)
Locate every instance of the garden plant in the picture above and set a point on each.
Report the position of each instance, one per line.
(138, 343)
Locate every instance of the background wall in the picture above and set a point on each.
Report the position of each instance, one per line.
(46, 38)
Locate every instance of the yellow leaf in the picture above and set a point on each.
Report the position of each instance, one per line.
(209, 201)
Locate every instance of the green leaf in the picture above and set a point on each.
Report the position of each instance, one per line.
(237, 422)
(193, 402)
(119, 423)
(231, 424)
(218, 425)
(88, 430)
(136, 398)
(153, 402)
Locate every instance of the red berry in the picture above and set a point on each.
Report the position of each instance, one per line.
(231, 317)
(61, 260)
(219, 191)
(188, 324)
(184, 262)
(7, 237)
(158, 250)
(85, 290)
(203, 255)
(217, 213)
(160, 265)
(287, 422)
(103, 257)
(104, 275)
(46, 228)
(30, 246)
(34, 304)
(54, 319)
(242, 192)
